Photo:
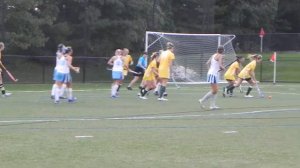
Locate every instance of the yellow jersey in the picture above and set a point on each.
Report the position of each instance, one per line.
(231, 72)
(127, 61)
(165, 60)
(245, 73)
(149, 74)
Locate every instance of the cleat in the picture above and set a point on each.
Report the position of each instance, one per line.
(214, 107)
(56, 102)
(156, 93)
(62, 97)
(129, 88)
(6, 94)
(113, 96)
(165, 94)
(143, 97)
(162, 99)
(72, 100)
(52, 96)
(248, 96)
(201, 104)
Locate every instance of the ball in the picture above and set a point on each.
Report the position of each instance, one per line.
(269, 97)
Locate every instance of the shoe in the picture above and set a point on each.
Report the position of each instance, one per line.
(62, 97)
(72, 100)
(165, 94)
(52, 97)
(156, 93)
(6, 94)
(113, 96)
(201, 104)
(143, 97)
(56, 102)
(129, 88)
(214, 107)
(162, 99)
(248, 96)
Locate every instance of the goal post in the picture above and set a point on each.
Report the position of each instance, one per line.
(192, 52)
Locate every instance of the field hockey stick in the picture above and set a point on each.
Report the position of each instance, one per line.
(11, 76)
(176, 84)
(261, 94)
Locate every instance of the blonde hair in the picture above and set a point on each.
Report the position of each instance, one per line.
(1, 46)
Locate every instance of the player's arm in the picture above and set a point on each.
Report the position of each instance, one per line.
(208, 62)
(111, 61)
(70, 60)
(220, 60)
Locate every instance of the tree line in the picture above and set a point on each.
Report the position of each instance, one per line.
(97, 27)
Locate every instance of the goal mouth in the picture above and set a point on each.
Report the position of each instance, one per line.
(192, 52)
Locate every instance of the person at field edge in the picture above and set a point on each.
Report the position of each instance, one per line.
(150, 76)
(165, 60)
(3, 91)
(248, 74)
(68, 54)
(231, 73)
(140, 69)
(60, 51)
(117, 71)
(215, 64)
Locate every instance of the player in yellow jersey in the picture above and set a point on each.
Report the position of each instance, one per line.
(230, 75)
(248, 74)
(166, 59)
(150, 76)
(127, 61)
(2, 67)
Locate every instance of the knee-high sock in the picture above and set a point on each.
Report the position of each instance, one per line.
(162, 91)
(70, 93)
(213, 100)
(207, 96)
(114, 89)
(53, 90)
(249, 90)
(57, 93)
(62, 90)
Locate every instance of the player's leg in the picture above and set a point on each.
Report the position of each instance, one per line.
(214, 91)
(162, 90)
(251, 83)
(2, 88)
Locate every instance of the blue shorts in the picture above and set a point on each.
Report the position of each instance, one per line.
(62, 77)
(117, 75)
(212, 79)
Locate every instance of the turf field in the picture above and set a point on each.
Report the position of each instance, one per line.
(128, 132)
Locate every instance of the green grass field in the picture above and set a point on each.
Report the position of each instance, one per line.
(128, 132)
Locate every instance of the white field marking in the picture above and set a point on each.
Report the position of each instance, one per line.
(148, 117)
(84, 136)
(198, 115)
(230, 132)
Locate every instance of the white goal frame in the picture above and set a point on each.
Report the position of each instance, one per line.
(219, 39)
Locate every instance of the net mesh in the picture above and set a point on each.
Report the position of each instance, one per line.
(192, 52)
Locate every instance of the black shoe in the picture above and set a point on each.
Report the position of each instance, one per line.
(129, 88)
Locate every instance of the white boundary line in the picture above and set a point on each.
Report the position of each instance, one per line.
(156, 117)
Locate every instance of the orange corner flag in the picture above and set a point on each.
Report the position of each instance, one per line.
(273, 57)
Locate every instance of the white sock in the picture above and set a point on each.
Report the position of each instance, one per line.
(57, 93)
(62, 90)
(207, 96)
(114, 89)
(213, 100)
(53, 89)
(70, 93)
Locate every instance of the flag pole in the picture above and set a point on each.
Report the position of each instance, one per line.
(261, 44)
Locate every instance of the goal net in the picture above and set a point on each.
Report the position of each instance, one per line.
(191, 52)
